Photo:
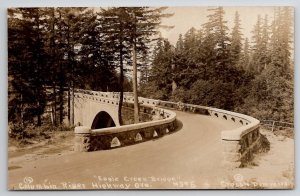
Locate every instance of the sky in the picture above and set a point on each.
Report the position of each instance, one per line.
(186, 17)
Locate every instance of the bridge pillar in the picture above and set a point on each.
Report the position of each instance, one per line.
(239, 151)
(231, 153)
(82, 139)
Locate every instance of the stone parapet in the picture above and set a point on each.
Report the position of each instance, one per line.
(239, 144)
(87, 139)
(82, 139)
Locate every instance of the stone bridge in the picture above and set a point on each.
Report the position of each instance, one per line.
(184, 146)
(96, 109)
(97, 115)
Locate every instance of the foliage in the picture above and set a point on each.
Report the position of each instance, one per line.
(158, 85)
(209, 67)
(52, 51)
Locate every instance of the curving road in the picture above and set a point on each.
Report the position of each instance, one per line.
(188, 158)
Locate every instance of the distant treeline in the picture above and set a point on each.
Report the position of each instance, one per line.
(217, 67)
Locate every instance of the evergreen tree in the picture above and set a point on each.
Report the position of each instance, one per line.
(159, 84)
(281, 40)
(245, 56)
(260, 45)
(27, 58)
(179, 45)
(143, 25)
(115, 30)
(217, 40)
(236, 40)
(271, 93)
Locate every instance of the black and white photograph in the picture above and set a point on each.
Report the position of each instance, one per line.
(190, 97)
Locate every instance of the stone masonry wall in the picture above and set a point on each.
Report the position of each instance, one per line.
(238, 153)
(89, 141)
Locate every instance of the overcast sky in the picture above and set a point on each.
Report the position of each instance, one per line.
(186, 17)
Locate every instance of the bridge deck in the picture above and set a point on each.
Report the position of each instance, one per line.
(193, 153)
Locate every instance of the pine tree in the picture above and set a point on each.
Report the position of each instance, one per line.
(159, 84)
(281, 40)
(27, 60)
(245, 56)
(179, 45)
(143, 24)
(271, 93)
(236, 40)
(264, 59)
(115, 28)
(260, 45)
(216, 44)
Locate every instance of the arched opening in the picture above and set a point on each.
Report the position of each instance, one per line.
(103, 120)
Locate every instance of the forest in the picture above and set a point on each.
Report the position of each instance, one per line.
(52, 51)
(218, 67)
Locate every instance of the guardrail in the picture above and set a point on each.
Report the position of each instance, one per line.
(87, 139)
(273, 124)
(239, 144)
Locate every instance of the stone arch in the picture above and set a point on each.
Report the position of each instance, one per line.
(103, 120)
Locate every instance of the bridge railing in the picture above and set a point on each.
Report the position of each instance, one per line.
(273, 124)
(239, 144)
(88, 139)
(110, 95)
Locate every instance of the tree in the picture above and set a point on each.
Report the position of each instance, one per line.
(236, 40)
(115, 29)
(27, 58)
(271, 92)
(48, 47)
(281, 40)
(159, 84)
(217, 41)
(143, 25)
(260, 45)
(186, 58)
(70, 33)
(270, 97)
(95, 59)
(179, 44)
(245, 56)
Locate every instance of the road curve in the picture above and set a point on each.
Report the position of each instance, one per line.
(188, 158)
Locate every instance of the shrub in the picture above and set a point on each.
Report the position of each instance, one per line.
(16, 130)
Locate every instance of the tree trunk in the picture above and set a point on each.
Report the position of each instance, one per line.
(174, 85)
(61, 102)
(61, 81)
(72, 107)
(39, 118)
(39, 82)
(22, 109)
(69, 79)
(121, 88)
(69, 105)
(54, 105)
(135, 93)
(53, 57)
